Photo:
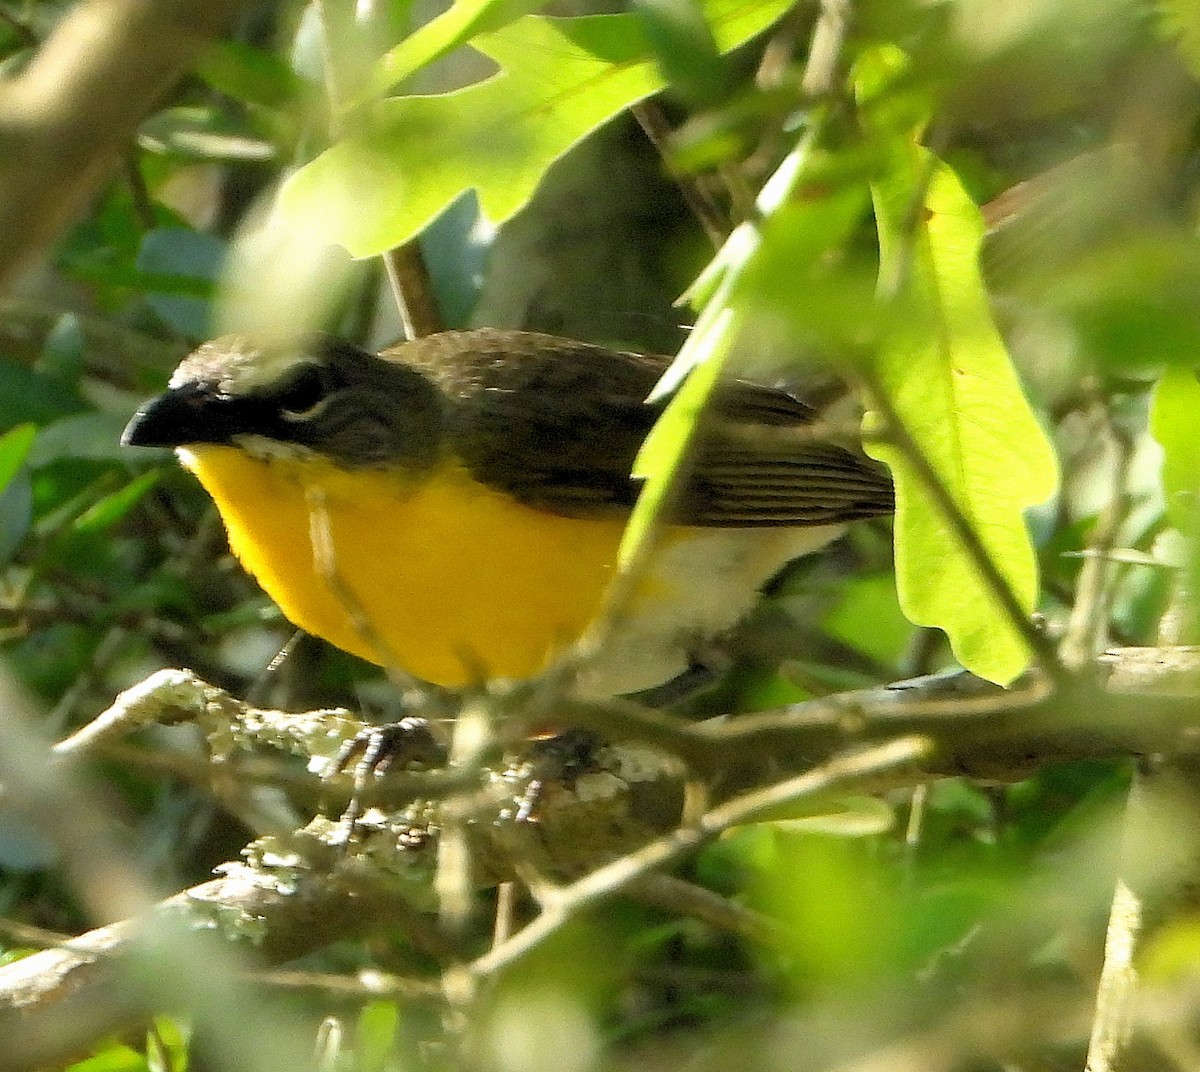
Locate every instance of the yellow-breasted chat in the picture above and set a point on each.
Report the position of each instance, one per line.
(473, 487)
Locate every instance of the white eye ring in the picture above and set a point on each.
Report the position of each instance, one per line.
(305, 414)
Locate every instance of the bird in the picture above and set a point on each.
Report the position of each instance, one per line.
(472, 487)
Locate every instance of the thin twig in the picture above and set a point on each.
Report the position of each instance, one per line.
(650, 118)
(608, 881)
(1087, 627)
(413, 290)
(825, 51)
(683, 898)
(365, 984)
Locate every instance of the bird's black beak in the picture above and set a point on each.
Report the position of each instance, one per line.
(190, 413)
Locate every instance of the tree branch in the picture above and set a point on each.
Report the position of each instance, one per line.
(609, 828)
(66, 122)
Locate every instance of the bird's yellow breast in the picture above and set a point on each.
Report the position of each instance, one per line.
(455, 579)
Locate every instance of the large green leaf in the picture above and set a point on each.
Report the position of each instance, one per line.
(411, 156)
(440, 35)
(945, 369)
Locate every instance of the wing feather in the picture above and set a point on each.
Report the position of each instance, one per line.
(558, 423)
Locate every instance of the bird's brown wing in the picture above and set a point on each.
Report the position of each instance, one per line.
(557, 424)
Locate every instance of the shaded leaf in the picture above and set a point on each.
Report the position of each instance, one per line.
(96, 435)
(249, 74)
(62, 356)
(175, 252)
(16, 513)
(110, 509)
(684, 47)
(28, 395)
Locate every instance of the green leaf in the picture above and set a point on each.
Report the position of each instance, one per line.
(806, 250)
(29, 395)
(62, 356)
(560, 79)
(177, 253)
(14, 449)
(944, 367)
(16, 496)
(867, 617)
(375, 1036)
(685, 49)
(665, 447)
(1179, 20)
(113, 1058)
(95, 435)
(724, 287)
(1173, 424)
(440, 36)
(249, 74)
(16, 513)
(110, 509)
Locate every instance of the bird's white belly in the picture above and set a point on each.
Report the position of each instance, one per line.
(703, 584)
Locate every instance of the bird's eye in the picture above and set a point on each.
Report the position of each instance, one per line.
(302, 394)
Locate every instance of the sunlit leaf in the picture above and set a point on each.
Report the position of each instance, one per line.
(441, 35)
(114, 1058)
(945, 369)
(1173, 423)
(560, 79)
(14, 449)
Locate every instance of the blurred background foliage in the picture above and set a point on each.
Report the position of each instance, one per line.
(960, 927)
